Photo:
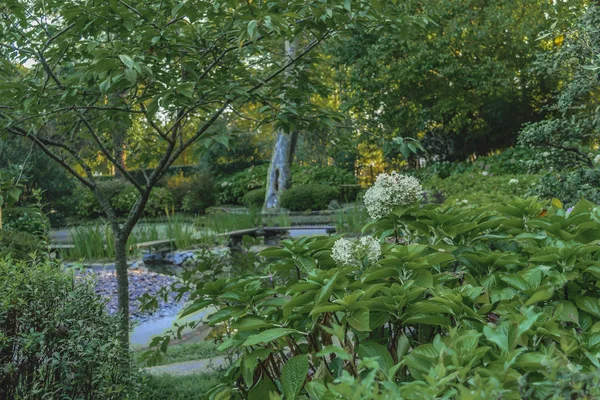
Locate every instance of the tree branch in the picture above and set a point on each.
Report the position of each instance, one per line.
(104, 150)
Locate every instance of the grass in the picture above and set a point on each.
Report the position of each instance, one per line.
(350, 219)
(96, 242)
(173, 387)
(185, 352)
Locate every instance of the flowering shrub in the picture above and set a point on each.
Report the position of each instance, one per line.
(346, 252)
(502, 303)
(389, 191)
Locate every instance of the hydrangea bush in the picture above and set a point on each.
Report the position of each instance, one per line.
(366, 250)
(389, 191)
(470, 304)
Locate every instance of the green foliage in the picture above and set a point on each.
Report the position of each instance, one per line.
(19, 245)
(254, 198)
(200, 195)
(25, 219)
(570, 186)
(122, 196)
(186, 352)
(57, 340)
(351, 219)
(88, 206)
(500, 303)
(572, 121)
(159, 202)
(479, 189)
(232, 189)
(178, 387)
(97, 241)
(463, 84)
(308, 197)
(324, 175)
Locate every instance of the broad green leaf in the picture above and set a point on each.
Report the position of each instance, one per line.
(293, 375)
(268, 335)
(372, 349)
(359, 319)
(540, 295)
(264, 389)
(337, 350)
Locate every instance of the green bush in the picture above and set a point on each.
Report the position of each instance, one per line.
(308, 197)
(201, 194)
(495, 304)
(233, 188)
(159, 202)
(56, 339)
(254, 198)
(25, 219)
(174, 387)
(88, 206)
(478, 189)
(571, 186)
(325, 175)
(19, 245)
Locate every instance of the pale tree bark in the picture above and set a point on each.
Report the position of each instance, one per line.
(280, 171)
(279, 177)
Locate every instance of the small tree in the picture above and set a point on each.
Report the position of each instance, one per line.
(72, 71)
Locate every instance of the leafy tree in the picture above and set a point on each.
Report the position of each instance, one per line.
(72, 71)
(463, 85)
(572, 123)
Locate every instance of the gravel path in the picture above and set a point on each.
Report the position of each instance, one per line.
(189, 367)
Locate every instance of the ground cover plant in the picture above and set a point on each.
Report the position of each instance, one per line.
(436, 302)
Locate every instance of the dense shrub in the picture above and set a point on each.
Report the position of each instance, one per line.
(254, 198)
(57, 340)
(88, 206)
(201, 194)
(512, 161)
(25, 219)
(471, 304)
(308, 197)
(179, 387)
(19, 245)
(325, 175)
(479, 189)
(571, 186)
(159, 202)
(232, 189)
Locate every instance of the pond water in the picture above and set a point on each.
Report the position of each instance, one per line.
(142, 334)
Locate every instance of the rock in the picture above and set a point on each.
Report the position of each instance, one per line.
(141, 282)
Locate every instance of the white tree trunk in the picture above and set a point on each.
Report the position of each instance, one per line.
(280, 172)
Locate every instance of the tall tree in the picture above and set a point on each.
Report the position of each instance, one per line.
(464, 85)
(69, 67)
(572, 123)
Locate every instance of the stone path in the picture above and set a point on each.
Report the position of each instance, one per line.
(189, 367)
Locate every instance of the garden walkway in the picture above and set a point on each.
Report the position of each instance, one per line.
(189, 367)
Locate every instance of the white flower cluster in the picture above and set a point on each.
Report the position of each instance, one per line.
(346, 253)
(389, 191)
(513, 182)
(597, 159)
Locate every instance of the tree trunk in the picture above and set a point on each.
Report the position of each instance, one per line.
(280, 172)
(122, 285)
